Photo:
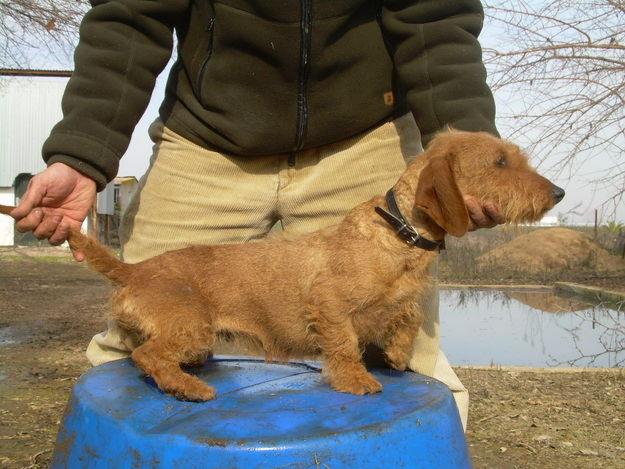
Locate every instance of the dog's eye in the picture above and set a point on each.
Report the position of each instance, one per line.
(501, 161)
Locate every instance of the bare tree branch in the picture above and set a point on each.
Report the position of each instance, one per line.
(25, 25)
(562, 65)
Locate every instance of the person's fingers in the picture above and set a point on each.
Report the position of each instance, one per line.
(60, 234)
(472, 207)
(47, 226)
(78, 256)
(31, 199)
(487, 222)
(493, 211)
(476, 213)
(30, 222)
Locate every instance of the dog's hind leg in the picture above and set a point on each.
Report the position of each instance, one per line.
(198, 359)
(177, 331)
(161, 358)
(343, 364)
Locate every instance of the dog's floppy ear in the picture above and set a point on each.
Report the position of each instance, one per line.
(438, 195)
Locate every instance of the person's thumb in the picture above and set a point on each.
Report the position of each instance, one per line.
(34, 194)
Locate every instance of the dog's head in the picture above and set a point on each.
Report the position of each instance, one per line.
(485, 167)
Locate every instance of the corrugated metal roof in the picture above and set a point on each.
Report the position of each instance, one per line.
(18, 72)
(29, 108)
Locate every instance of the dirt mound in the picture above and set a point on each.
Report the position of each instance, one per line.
(552, 249)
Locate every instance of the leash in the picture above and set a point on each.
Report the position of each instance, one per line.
(405, 230)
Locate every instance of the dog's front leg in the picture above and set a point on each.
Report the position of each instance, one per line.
(402, 333)
(343, 364)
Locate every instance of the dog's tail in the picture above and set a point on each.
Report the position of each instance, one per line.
(100, 258)
(6, 209)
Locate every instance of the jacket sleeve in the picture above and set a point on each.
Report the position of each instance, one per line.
(438, 62)
(123, 46)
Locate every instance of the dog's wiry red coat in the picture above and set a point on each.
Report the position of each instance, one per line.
(329, 292)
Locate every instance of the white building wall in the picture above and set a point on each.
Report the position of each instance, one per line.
(29, 108)
(126, 192)
(549, 221)
(7, 197)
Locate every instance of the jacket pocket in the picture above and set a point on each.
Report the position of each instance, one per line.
(199, 80)
(195, 43)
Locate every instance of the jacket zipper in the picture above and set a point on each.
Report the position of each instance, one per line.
(304, 70)
(378, 18)
(209, 52)
(398, 108)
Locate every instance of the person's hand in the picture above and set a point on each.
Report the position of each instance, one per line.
(486, 215)
(56, 200)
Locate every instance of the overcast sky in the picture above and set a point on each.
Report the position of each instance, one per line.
(577, 186)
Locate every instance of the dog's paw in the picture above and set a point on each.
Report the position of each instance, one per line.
(197, 395)
(362, 383)
(193, 389)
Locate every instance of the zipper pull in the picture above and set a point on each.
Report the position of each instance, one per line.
(211, 24)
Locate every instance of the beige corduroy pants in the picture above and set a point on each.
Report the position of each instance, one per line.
(192, 195)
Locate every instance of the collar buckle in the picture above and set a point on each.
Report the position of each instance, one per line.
(405, 230)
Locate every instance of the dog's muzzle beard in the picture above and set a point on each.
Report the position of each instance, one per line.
(405, 230)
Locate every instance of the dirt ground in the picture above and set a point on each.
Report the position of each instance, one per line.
(50, 308)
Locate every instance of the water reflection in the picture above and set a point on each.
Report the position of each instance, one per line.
(529, 328)
(7, 336)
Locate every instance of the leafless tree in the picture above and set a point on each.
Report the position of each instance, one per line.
(35, 25)
(559, 66)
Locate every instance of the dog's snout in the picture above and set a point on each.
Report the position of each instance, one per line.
(557, 193)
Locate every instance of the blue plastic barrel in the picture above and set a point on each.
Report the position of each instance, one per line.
(264, 416)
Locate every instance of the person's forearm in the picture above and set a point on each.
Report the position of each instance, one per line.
(124, 45)
(439, 63)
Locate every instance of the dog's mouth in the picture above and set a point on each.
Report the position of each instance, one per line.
(531, 213)
(522, 199)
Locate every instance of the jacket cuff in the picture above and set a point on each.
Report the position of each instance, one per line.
(82, 167)
(90, 157)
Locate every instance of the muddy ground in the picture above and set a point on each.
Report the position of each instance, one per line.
(50, 308)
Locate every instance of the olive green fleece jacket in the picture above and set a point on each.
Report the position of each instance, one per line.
(259, 77)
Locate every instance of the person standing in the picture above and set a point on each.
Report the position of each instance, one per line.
(274, 111)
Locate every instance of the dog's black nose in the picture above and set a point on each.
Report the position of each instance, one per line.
(558, 193)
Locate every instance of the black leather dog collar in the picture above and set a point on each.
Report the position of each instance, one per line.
(405, 230)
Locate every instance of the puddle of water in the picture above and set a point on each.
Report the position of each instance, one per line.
(529, 328)
(7, 336)
(516, 328)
